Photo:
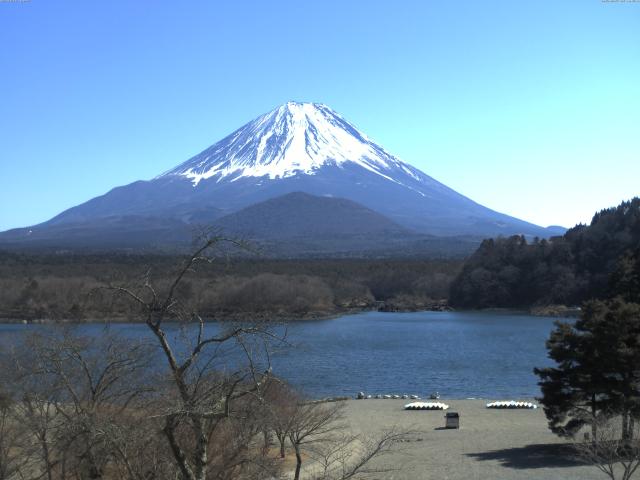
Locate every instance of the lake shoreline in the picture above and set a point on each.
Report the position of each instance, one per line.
(275, 317)
(557, 311)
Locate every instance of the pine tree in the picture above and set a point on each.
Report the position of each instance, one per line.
(598, 368)
(625, 280)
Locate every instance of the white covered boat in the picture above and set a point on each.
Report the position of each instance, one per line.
(511, 404)
(426, 406)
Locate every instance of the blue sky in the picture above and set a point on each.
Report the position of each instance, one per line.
(531, 108)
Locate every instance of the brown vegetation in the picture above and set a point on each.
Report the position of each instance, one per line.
(199, 404)
(612, 449)
(68, 287)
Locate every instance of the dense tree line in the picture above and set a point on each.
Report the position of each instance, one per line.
(68, 286)
(595, 261)
(592, 393)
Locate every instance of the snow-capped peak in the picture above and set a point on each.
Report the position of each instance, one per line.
(295, 138)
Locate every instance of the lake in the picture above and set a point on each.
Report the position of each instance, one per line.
(459, 354)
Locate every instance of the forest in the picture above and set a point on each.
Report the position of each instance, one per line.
(595, 261)
(73, 287)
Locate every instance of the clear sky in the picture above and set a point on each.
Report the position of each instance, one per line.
(531, 108)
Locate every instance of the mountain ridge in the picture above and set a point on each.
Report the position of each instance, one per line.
(299, 214)
(296, 147)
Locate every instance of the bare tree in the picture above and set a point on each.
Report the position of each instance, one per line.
(318, 430)
(77, 395)
(614, 451)
(41, 419)
(32, 407)
(350, 456)
(234, 450)
(281, 406)
(205, 372)
(313, 424)
(139, 450)
(13, 440)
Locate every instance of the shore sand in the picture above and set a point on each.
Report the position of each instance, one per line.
(490, 445)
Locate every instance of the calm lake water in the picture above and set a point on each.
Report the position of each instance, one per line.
(459, 354)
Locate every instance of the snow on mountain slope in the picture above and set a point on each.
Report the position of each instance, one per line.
(295, 138)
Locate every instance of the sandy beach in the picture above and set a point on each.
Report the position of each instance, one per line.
(491, 444)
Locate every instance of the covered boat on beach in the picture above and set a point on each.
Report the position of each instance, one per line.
(426, 406)
(511, 404)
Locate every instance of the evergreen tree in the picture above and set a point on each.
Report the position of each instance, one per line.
(514, 273)
(598, 368)
(625, 280)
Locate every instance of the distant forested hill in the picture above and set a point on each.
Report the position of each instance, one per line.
(595, 261)
(70, 286)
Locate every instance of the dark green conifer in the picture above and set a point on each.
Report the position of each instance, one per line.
(598, 368)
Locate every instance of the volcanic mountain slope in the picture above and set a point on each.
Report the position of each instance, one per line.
(297, 147)
(298, 214)
(301, 225)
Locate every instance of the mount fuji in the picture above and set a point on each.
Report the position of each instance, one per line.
(296, 148)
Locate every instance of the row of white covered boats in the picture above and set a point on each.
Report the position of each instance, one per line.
(363, 396)
(512, 404)
(500, 404)
(444, 406)
(426, 406)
